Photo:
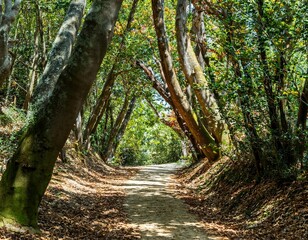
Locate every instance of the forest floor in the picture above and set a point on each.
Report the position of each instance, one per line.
(90, 200)
(87, 199)
(234, 206)
(84, 200)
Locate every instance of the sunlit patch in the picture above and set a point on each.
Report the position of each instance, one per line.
(152, 208)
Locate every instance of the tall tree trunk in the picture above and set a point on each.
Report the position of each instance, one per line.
(198, 36)
(78, 129)
(122, 128)
(267, 82)
(301, 123)
(249, 122)
(245, 103)
(166, 96)
(108, 151)
(288, 152)
(100, 106)
(303, 108)
(194, 74)
(29, 171)
(60, 52)
(35, 59)
(204, 139)
(8, 14)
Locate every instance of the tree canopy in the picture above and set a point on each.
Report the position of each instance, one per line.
(144, 82)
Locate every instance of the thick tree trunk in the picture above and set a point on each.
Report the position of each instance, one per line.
(29, 170)
(203, 138)
(60, 52)
(194, 74)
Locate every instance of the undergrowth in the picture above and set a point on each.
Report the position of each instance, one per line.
(228, 195)
(11, 122)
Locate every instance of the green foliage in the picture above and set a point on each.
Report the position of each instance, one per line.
(11, 121)
(231, 34)
(147, 140)
(237, 73)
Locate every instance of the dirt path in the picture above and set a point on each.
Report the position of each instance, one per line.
(152, 208)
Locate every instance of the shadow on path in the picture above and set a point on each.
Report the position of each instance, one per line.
(152, 208)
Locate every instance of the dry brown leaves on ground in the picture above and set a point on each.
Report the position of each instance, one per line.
(82, 203)
(239, 210)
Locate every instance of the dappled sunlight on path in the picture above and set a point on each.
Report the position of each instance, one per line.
(151, 206)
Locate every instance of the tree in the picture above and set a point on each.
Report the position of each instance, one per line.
(259, 60)
(7, 17)
(203, 137)
(195, 76)
(101, 103)
(164, 93)
(29, 170)
(118, 128)
(60, 52)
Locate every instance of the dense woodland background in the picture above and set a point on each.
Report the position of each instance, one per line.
(210, 79)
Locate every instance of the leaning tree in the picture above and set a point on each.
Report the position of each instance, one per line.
(30, 169)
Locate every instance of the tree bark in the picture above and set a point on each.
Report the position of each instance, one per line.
(78, 129)
(203, 138)
(60, 52)
(194, 74)
(198, 36)
(108, 151)
(7, 17)
(114, 144)
(303, 108)
(245, 102)
(35, 58)
(100, 106)
(267, 82)
(301, 123)
(160, 88)
(30, 169)
(166, 96)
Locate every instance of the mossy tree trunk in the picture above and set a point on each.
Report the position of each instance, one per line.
(30, 169)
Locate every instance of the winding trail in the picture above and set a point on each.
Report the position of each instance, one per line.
(152, 208)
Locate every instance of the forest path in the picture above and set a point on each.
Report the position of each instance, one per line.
(152, 208)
